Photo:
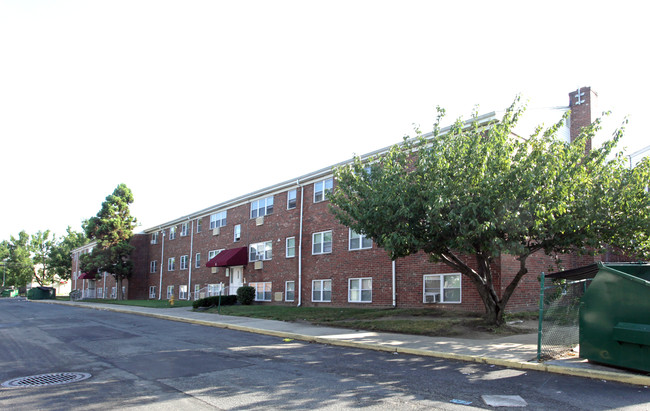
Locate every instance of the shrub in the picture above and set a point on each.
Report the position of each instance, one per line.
(214, 300)
(246, 295)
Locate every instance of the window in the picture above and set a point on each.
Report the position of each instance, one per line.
(213, 253)
(262, 207)
(237, 232)
(182, 292)
(321, 290)
(152, 291)
(100, 293)
(289, 290)
(154, 238)
(260, 251)
(214, 289)
(197, 260)
(291, 247)
(171, 264)
(218, 220)
(322, 189)
(360, 290)
(321, 243)
(183, 262)
(291, 199)
(197, 291)
(170, 291)
(199, 222)
(113, 292)
(441, 288)
(359, 241)
(172, 232)
(184, 230)
(153, 266)
(262, 291)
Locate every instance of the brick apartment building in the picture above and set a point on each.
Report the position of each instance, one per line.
(283, 241)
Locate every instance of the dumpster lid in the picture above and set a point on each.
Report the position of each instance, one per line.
(585, 272)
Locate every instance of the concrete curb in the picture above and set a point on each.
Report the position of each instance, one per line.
(555, 369)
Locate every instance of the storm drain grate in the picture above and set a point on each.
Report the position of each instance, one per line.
(43, 380)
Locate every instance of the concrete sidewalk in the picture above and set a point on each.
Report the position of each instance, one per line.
(517, 351)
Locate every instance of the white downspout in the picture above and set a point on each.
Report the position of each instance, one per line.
(302, 192)
(394, 299)
(189, 279)
(75, 275)
(162, 263)
(104, 286)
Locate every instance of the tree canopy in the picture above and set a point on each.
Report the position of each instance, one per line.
(476, 189)
(112, 229)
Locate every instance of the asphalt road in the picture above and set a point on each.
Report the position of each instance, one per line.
(147, 363)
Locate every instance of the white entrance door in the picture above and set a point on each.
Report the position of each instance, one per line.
(236, 278)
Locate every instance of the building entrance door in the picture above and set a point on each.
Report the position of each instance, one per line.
(236, 279)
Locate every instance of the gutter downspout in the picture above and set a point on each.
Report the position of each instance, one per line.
(189, 279)
(394, 300)
(162, 259)
(302, 192)
(104, 286)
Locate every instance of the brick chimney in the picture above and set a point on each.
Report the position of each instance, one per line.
(582, 103)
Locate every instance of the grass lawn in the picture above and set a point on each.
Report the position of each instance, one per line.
(143, 303)
(426, 321)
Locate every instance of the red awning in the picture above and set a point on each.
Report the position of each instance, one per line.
(229, 258)
(88, 276)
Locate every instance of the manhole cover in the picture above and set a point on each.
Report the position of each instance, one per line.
(42, 380)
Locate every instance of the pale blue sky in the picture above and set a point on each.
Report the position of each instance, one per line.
(191, 103)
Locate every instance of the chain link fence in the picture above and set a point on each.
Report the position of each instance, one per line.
(560, 318)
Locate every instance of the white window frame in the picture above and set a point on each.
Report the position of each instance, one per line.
(214, 289)
(100, 292)
(153, 266)
(171, 264)
(321, 291)
(292, 195)
(218, 219)
(154, 238)
(322, 189)
(286, 290)
(152, 291)
(182, 292)
(262, 207)
(172, 232)
(197, 260)
(213, 253)
(318, 243)
(360, 290)
(290, 248)
(439, 295)
(264, 255)
(236, 233)
(183, 262)
(361, 238)
(113, 293)
(170, 291)
(263, 290)
(184, 229)
(199, 224)
(197, 291)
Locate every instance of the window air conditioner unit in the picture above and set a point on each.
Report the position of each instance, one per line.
(259, 220)
(214, 270)
(216, 231)
(259, 265)
(432, 298)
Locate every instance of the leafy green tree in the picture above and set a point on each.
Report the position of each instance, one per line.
(4, 257)
(59, 257)
(20, 266)
(40, 246)
(476, 191)
(112, 229)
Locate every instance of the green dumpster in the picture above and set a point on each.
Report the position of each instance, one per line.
(41, 293)
(615, 317)
(10, 292)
